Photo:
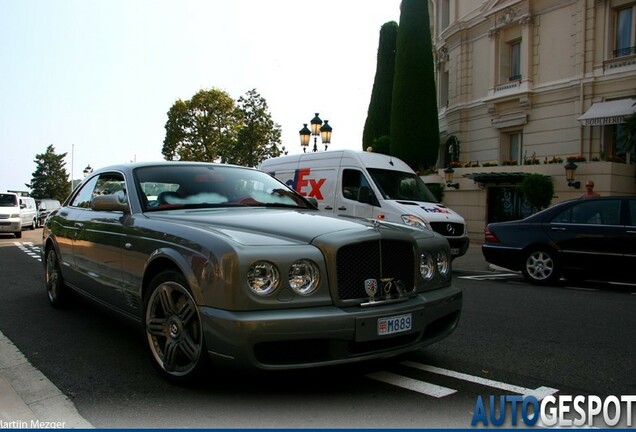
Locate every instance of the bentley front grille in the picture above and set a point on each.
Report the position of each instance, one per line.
(379, 260)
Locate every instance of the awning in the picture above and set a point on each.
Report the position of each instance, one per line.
(497, 177)
(608, 113)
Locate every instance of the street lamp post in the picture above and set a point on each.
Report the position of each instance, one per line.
(317, 128)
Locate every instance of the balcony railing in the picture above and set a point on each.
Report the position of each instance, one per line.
(622, 52)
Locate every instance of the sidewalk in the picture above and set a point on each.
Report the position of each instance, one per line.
(28, 400)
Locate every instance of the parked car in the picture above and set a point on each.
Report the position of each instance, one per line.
(45, 207)
(578, 239)
(225, 264)
(10, 215)
(28, 212)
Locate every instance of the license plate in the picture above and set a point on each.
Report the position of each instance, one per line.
(395, 324)
(454, 251)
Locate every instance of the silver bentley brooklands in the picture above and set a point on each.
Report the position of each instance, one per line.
(226, 265)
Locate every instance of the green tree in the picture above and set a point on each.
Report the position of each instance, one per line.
(50, 179)
(213, 127)
(378, 122)
(258, 135)
(414, 124)
(382, 145)
(200, 128)
(538, 190)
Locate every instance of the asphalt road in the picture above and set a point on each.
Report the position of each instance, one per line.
(512, 337)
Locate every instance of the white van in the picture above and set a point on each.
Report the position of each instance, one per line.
(369, 185)
(10, 218)
(28, 212)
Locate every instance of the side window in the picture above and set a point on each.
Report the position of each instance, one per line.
(105, 184)
(83, 197)
(632, 212)
(605, 212)
(352, 181)
(564, 217)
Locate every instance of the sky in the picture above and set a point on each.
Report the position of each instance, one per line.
(95, 78)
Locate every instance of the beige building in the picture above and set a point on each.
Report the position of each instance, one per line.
(523, 85)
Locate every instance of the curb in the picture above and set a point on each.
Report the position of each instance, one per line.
(28, 400)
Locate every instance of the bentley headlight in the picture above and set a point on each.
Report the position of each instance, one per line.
(304, 277)
(443, 263)
(414, 221)
(427, 266)
(263, 278)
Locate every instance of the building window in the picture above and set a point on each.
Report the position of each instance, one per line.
(509, 55)
(445, 15)
(625, 38)
(443, 88)
(514, 49)
(616, 147)
(511, 148)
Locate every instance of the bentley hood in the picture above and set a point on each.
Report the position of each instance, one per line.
(261, 227)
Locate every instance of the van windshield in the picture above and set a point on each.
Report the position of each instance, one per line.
(399, 185)
(8, 200)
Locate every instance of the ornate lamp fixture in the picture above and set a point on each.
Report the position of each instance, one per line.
(317, 128)
(448, 176)
(570, 168)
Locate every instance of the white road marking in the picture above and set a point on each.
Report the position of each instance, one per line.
(30, 249)
(539, 393)
(412, 384)
(488, 276)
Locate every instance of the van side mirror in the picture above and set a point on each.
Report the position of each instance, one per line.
(364, 195)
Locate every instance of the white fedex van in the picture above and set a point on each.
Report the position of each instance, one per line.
(369, 185)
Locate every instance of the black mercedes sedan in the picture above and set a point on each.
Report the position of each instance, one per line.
(578, 239)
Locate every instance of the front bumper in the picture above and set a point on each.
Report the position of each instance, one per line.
(458, 245)
(10, 227)
(328, 335)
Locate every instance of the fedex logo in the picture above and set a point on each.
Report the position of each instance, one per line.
(435, 210)
(306, 186)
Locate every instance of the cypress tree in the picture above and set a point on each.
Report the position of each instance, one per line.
(414, 124)
(378, 122)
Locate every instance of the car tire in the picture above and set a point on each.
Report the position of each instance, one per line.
(18, 234)
(173, 329)
(58, 293)
(541, 266)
